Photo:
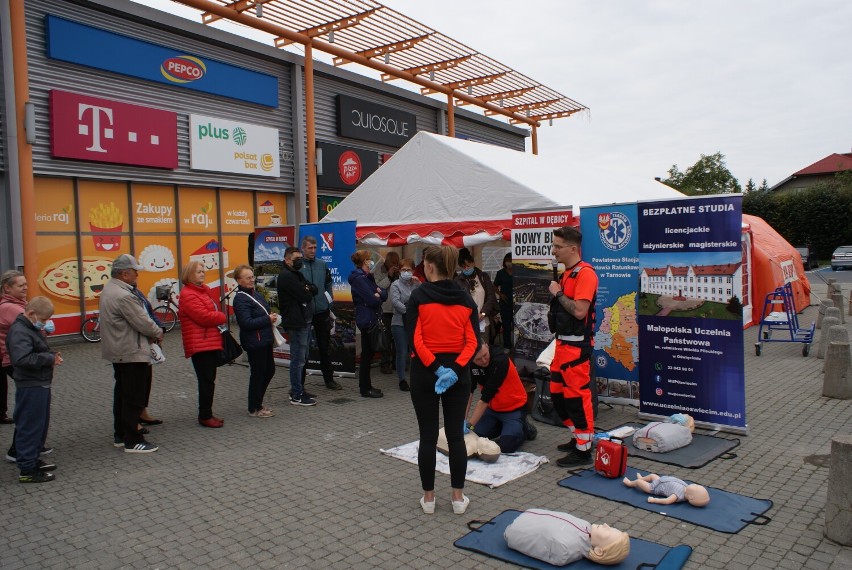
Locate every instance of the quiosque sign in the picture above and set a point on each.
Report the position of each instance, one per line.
(366, 121)
(230, 146)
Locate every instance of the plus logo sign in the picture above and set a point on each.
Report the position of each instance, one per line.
(91, 128)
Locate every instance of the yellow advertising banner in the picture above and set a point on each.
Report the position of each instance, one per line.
(153, 208)
(197, 210)
(271, 209)
(103, 212)
(236, 211)
(158, 257)
(54, 205)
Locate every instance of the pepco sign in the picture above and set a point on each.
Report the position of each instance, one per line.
(183, 69)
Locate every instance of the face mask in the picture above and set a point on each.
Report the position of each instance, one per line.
(406, 275)
(371, 265)
(297, 264)
(49, 327)
(468, 272)
(39, 325)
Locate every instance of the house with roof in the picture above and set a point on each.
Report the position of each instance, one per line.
(707, 282)
(822, 170)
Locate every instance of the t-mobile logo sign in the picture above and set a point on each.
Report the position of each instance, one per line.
(90, 128)
(91, 122)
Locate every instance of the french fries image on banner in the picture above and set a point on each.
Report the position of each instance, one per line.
(106, 219)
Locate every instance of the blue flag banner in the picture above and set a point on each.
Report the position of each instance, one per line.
(611, 246)
(690, 312)
(335, 246)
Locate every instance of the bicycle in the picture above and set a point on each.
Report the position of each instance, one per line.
(91, 329)
(164, 312)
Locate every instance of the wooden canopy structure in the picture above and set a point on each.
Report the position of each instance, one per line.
(375, 36)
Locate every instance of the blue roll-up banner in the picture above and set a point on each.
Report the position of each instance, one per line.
(690, 310)
(93, 47)
(335, 246)
(611, 246)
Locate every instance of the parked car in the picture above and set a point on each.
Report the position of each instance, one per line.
(842, 257)
(809, 258)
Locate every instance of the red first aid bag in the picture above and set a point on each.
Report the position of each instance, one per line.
(611, 458)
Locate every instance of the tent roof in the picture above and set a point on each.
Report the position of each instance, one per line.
(438, 189)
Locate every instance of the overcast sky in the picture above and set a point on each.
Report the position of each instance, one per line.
(767, 83)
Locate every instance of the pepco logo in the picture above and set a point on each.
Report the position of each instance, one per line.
(183, 69)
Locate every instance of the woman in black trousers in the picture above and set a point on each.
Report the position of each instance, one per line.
(256, 338)
(442, 324)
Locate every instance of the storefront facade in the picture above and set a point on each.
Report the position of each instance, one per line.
(173, 141)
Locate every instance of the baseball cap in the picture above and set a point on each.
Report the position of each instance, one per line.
(125, 261)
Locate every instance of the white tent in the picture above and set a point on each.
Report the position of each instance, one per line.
(437, 189)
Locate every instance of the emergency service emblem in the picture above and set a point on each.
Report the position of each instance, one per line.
(614, 230)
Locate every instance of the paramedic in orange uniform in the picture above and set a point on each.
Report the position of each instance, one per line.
(499, 414)
(572, 315)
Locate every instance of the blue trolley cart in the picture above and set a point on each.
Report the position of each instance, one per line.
(779, 316)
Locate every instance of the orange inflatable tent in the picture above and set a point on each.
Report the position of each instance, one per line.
(763, 252)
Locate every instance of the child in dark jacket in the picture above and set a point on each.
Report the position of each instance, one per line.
(32, 369)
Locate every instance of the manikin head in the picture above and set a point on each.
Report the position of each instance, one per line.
(696, 495)
(609, 545)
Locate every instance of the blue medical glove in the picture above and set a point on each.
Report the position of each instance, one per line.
(466, 429)
(446, 378)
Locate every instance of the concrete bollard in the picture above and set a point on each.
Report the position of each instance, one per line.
(824, 304)
(837, 378)
(832, 286)
(838, 504)
(827, 323)
(837, 299)
(836, 333)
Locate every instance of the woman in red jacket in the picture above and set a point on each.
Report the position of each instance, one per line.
(442, 325)
(200, 318)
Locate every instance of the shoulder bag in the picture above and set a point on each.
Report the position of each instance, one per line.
(279, 338)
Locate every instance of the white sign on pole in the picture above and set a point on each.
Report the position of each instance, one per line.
(232, 146)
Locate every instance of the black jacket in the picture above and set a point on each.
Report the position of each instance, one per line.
(295, 298)
(31, 357)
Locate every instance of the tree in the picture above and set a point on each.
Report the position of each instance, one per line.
(708, 175)
(750, 186)
(764, 186)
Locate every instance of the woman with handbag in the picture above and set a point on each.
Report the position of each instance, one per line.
(257, 327)
(442, 324)
(367, 298)
(200, 319)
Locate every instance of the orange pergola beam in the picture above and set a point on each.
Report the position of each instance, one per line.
(385, 49)
(429, 67)
(504, 95)
(465, 83)
(327, 27)
(281, 31)
(548, 116)
(238, 6)
(529, 106)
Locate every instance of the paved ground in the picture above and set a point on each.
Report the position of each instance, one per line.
(309, 489)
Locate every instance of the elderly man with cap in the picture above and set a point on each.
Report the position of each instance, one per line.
(127, 331)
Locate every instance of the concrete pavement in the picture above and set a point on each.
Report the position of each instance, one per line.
(309, 488)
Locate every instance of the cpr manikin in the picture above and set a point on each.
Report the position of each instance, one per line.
(559, 538)
(477, 447)
(672, 489)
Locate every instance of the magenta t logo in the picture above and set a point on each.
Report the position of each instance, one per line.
(95, 125)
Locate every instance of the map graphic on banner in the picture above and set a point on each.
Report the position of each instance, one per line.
(690, 313)
(611, 246)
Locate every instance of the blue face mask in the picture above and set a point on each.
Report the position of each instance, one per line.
(406, 275)
(371, 264)
(468, 272)
(49, 327)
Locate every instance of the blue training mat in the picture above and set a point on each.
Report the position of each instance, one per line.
(488, 539)
(727, 512)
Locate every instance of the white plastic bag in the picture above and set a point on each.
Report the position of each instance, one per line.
(157, 356)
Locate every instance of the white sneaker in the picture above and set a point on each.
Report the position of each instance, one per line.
(428, 508)
(459, 507)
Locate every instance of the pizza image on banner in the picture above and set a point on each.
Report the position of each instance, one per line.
(618, 335)
(208, 255)
(61, 279)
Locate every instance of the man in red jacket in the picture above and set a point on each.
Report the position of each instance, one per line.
(500, 412)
